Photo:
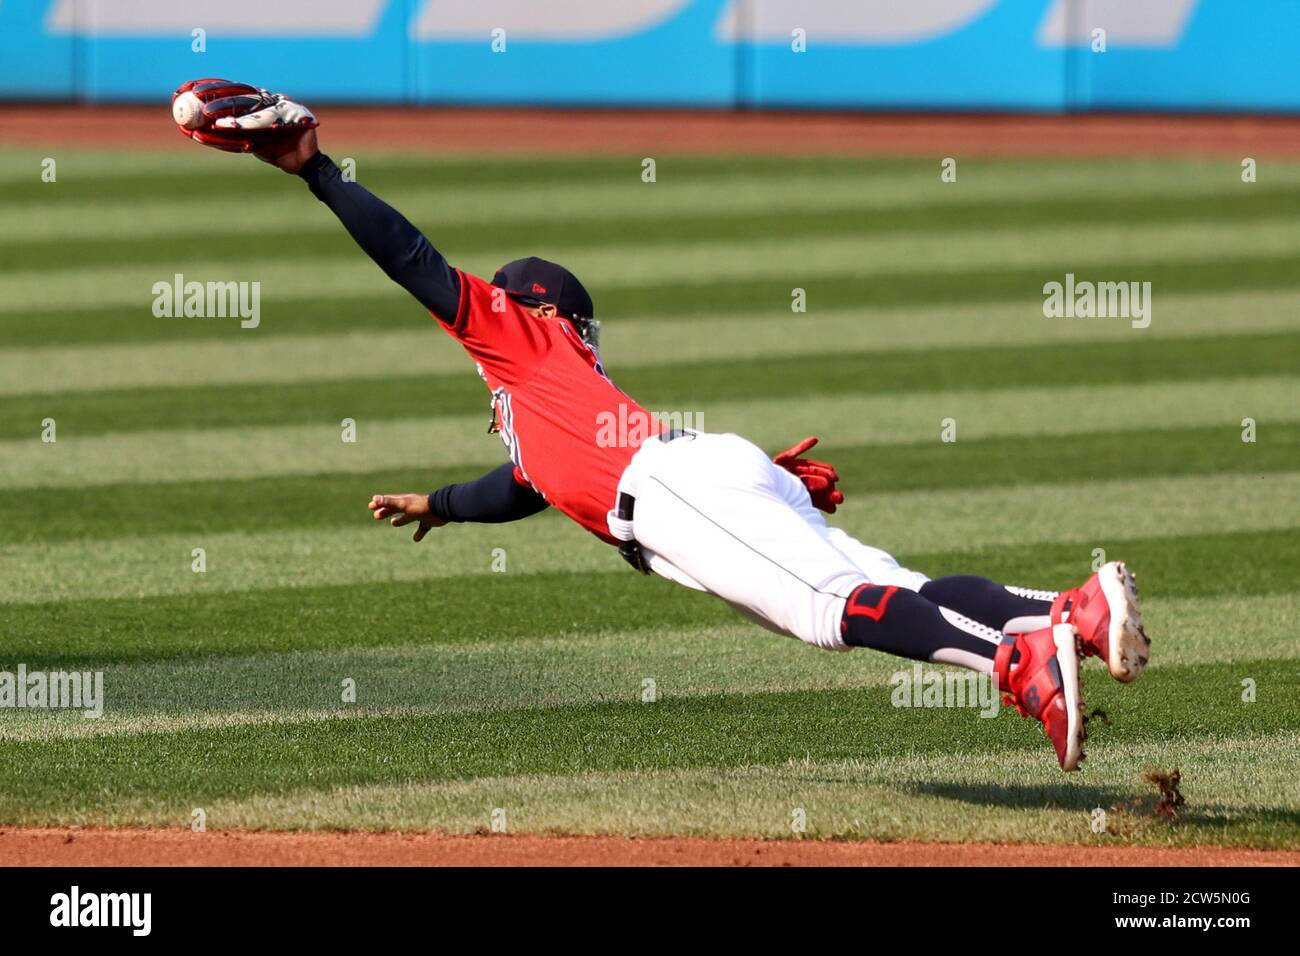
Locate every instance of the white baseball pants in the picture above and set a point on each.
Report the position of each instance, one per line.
(715, 514)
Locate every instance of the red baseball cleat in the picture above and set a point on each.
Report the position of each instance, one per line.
(1105, 613)
(1044, 683)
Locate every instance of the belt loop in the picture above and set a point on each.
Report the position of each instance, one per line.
(631, 553)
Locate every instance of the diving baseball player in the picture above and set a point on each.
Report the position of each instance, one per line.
(710, 511)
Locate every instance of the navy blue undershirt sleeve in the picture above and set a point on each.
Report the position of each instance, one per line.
(492, 499)
(397, 247)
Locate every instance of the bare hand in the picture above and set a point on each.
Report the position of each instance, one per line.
(290, 153)
(405, 509)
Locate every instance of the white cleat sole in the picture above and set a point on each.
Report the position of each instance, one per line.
(1065, 638)
(1130, 648)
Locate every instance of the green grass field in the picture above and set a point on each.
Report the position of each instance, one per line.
(522, 690)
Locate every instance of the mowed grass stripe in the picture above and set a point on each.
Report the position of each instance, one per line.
(79, 171)
(868, 469)
(384, 307)
(681, 385)
(257, 504)
(191, 767)
(797, 210)
(612, 192)
(136, 173)
(1054, 248)
(584, 668)
(1239, 798)
(1238, 791)
(924, 520)
(110, 174)
(501, 610)
(1210, 565)
(774, 423)
(303, 356)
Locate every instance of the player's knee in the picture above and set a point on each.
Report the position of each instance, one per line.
(904, 578)
(957, 590)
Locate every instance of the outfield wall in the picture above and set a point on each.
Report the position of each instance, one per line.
(1218, 55)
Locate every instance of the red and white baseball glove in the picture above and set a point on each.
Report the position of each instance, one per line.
(817, 476)
(237, 117)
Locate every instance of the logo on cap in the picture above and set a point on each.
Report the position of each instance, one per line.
(539, 289)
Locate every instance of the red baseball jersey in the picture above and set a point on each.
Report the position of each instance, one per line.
(569, 430)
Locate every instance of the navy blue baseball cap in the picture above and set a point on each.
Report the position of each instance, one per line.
(539, 281)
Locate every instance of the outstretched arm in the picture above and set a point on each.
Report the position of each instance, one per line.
(492, 499)
(381, 231)
(495, 498)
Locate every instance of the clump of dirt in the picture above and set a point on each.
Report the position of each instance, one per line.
(1171, 798)
(1127, 816)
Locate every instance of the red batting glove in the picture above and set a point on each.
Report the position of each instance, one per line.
(817, 476)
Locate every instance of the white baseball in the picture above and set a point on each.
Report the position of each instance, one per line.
(187, 111)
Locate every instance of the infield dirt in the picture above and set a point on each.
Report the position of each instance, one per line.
(127, 847)
(611, 131)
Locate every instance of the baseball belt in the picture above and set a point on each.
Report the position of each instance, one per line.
(630, 550)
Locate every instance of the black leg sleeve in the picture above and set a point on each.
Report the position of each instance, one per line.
(898, 621)
(986, 601)
(397, 247)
